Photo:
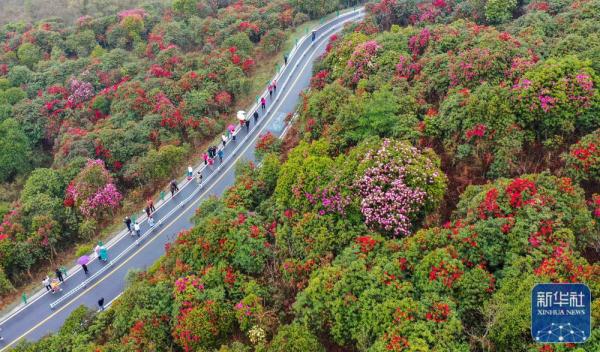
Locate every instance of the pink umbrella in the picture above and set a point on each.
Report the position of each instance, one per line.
(84, 259)
(231, 128)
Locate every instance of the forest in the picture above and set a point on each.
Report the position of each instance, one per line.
(444, 160)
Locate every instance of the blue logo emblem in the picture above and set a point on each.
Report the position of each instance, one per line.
(560, 313)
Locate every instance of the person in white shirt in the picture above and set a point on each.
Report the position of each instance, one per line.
(136, 228)
(46, 283)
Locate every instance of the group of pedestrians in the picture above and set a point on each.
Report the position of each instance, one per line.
(272, 88)
(136, 226)
(53, 284)
(212, 152)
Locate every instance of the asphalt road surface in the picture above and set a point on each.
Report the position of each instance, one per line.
(37, 319)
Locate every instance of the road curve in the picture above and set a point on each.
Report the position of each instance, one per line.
(37, 319)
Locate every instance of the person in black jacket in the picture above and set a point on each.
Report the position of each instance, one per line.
(127, 222)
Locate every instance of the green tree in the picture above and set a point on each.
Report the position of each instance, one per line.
(43, 181)
(159, 165)
(82, 43)
(14, 150)
(295, 338)
(187, 7)
(12, 95)
(29, 54)
(499, 11)
(5, 285)
(19, 75)
(316, 8)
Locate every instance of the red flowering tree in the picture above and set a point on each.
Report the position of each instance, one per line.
(582, 162)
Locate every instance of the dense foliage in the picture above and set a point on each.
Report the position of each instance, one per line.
(439, 168)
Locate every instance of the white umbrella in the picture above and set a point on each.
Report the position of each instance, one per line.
(241, 115)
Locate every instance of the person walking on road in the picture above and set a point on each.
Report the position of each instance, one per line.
(274, 84)
(199, 178)
(205, 157)
(85, 269)
(150, 204)
(59, 275)
(46, 283)
(220, 155)
(147, 210)
(270, 91)
(314, 35)
(136, 229)
(151, 221)
(255, 116)
(127, 222)
(101, 303)
(224, 139)
(263, 103)
(285, 58)
(101, 251)
(174, 187)
(247, 122)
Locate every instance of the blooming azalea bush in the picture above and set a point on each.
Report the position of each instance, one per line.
(562, 216)
(92, 191)
(582, 162)
(363, 298)
(361, 62)
(559, 96)
(267, 143)
(398, 185)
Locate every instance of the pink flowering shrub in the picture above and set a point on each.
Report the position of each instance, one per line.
(106, 198)
(470, 67)
(407, 68)
(417, 43)
(361, 62)
(387, 203)
(80, 91)
(137, 13)
(92, 191)
(558, 97)
(328, 201)
(398, 185)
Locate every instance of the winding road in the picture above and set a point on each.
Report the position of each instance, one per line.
(45, 312)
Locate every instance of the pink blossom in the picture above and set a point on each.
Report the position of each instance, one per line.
(546, 102)
(80, 92)
(387, 203)
(140, 13)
